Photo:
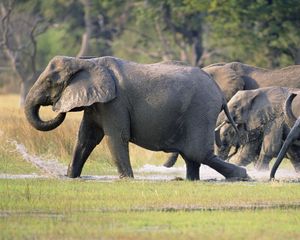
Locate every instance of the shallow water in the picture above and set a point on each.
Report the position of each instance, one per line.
(53, 168)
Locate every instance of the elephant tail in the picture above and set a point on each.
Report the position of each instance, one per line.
(288, 110)
(171, 160)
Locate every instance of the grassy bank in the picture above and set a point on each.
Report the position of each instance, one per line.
(76, 209)
(262, 224)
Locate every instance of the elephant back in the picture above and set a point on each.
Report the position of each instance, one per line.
(227, 78)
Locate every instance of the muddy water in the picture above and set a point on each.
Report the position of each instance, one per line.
(53, 168)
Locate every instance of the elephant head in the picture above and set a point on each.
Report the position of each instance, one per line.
(293, 135)
(68, 84)
(250, 110)
(225, 137)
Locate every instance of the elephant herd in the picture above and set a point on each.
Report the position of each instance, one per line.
(175, 108)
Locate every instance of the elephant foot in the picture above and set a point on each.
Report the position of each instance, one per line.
(192, 170)
(228, 170)
(126, 176)
(239, 174)
(73, 173)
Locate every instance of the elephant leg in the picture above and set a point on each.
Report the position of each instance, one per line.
(271, 144)
(262, 163)
(246, 154)
(192, 169)
(89, 136)
(228, 170)
(118, 145)
(294, 156)
(171, 160)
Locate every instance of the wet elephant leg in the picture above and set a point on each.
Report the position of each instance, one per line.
(89, 136)
(247, 154)
(262, 163)
(272, 141)
(118, 145)
(228, 170)
(192, 169)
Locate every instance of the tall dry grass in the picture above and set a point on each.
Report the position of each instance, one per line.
(60, 142)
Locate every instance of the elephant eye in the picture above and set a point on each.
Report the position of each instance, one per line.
(55, 77)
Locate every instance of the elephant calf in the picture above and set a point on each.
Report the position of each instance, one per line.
(292, 140)
(259, 115)
(162, 107)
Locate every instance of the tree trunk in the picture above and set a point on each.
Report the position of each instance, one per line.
(85, 42)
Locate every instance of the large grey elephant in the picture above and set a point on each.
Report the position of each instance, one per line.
(259, 115)
(161, 107)
(291, 142)
(235, 76)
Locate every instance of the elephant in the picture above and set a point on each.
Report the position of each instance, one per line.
(259, 115)
(235, 76)
(167, 107)
(292, 140)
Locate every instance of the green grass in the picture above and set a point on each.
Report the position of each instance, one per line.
(11, 162)
(60, 196)
(263, 224)
(76, 209)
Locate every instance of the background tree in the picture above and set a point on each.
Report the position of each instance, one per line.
(264, 33)
(19, 30)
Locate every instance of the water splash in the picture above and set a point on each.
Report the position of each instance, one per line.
(49, 166)
(54, 168)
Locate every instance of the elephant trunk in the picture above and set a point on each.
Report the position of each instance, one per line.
(291, 119)
(293, 135)
(32, 115)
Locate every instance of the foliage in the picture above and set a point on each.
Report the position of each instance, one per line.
(264, 33)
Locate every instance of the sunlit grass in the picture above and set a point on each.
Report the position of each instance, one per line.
(76, 209)
(60, 196)
(264, 224)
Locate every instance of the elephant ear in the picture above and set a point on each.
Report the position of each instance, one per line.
(264, 107)
(228, 79)
(87, 86)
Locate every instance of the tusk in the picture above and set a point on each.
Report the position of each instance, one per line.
(220, 126)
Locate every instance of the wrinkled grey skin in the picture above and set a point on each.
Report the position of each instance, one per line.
(292, 141)
(161, 107)
(235, 76)
(259, 115)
